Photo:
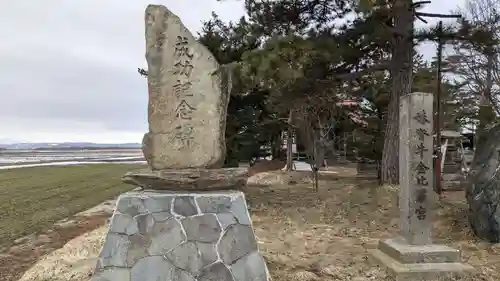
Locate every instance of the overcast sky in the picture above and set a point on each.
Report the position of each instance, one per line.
(69, 68)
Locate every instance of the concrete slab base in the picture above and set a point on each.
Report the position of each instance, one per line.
(181, 236)
(419, 262)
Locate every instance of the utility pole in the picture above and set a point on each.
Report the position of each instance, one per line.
(438, 112)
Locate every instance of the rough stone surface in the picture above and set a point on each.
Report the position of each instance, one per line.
(226, 220)
(239, 209)
(237, 242)
(483, 188)
(147, 241)
(145, 223)
(216, 272)
(131, 206)
(203, 228)
(157, 205)
(122, 274)
(124, 224)
(151, 268)
(162, 216)
(185, 206)
(181, 275)
(165, 235)
(214, 204)
(189, 179)
(251, 267)
(114, 251)
(138, 248)
(188, 97)
(193, 257)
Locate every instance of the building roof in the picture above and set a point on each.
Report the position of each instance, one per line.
(451, 134)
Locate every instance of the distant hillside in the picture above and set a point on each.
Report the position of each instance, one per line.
(68, 145)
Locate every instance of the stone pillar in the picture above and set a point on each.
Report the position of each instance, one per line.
(416, 195)
(190, 222)
(411, 255)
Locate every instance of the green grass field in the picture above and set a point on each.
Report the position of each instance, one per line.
(32, 199)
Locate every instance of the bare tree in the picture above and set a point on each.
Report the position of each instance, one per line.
(289, 142)
(312, 119)
(476, 62)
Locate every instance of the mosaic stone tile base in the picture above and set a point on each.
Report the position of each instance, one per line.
(181, 236)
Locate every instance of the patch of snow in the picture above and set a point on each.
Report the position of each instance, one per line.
(300, 166)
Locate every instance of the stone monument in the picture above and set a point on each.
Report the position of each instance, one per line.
(412, 255)
(188, 97)
(189, 222)
(483, 186)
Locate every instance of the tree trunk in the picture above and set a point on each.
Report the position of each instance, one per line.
(319, 156)
(314, 162)
(289, 143)
(334, 151)
(378, 144)
(311, 139)
(277, 147)
(344, 143)
(308, 137)
(323, 143)
(401, 74)
(486, 112)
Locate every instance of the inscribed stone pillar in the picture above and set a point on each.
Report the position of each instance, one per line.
(189, 222)
(188, 97)
(416, 167)
(411, 255)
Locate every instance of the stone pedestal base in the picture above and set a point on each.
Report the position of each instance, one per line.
(177, 236)
(419, 262)
(188, 179)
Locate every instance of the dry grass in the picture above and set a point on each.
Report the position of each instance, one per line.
(265, 166)
(75, 261)
(306, 235)
(325, 236)
(33, 199)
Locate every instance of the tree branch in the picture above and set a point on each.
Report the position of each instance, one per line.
(419, 4)
(431, 15)
(142, 72)
(354, 75)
